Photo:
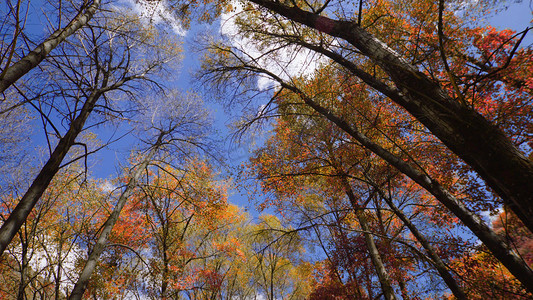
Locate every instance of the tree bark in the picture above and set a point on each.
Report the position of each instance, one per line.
(43, 179)
(375, 257)
(474, 139)
(435, 259)
(90, 264)
(14, 72)
(498, 247)
(383, 275)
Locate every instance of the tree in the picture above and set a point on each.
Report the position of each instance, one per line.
(98, 247)
(275, 259)
(102, 62)
(283, 33)
(12, 72)
(191, 226)
(477, 141)
(44, 252)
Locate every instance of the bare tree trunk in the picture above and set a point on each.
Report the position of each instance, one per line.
(435, 258)
(43, 179)
(90, 264)
(499, 248)
(58, 275)
(14, 72)
(165, 279)
(21, 295)
(383, 275)
(467, 133)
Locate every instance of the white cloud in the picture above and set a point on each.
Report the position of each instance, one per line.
(107, 186)
(157, 12)
(287, 62)
(491, 217)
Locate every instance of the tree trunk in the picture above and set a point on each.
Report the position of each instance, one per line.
(14, 72)
(435, 258)
(499, 248)
(43, 179)
(23, 270)
(90, 264)
(57, 287)
(467, 133)
(375, 257)
(164, 281)
(383, 275)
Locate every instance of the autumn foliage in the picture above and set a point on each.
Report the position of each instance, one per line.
(394, 161)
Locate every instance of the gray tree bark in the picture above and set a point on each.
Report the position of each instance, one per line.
(467, 133)
(14, 72)
(43, 179)
(375, 256)
(99, 246)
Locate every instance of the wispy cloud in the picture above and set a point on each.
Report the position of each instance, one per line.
(286, 62)
(156, 12)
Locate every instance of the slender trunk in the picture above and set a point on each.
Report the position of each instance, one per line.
(467, 133)
(272, 269)
(435, 258)
(58, 282)
(24, 265)
(43, 179)
(383, 275)
(375, 257)
(499, 248)
(14, 72)
(59, 267)
(85, 275)
(164, 282)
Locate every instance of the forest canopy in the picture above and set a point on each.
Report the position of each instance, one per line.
(385, 150)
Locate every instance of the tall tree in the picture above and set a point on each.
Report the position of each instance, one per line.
(278, 270)
(105, 59)
(98, 247)
(192, 229)
(480, 143)
(11, 72)
(281, 34)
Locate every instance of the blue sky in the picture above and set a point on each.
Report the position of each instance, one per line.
(516, 17)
